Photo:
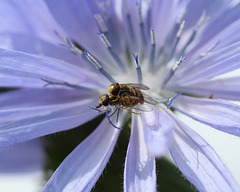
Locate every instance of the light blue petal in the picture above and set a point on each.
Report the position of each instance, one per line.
(221, 115)
(27, 157)
(221, 40)
(198, 161)
(158, 130)
(218, 22)
(28, 17)
(77, 18)
(33, 45)
(227, 88)
(18, 69)
(211, 8)
(46, 120)
(81, 169)
(217, 63)
(164, 15)
(139, 170)
(16, 106)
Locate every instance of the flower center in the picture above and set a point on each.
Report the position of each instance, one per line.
(140, 58)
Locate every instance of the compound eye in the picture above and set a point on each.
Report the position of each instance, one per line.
(116, 89)
(105, 101)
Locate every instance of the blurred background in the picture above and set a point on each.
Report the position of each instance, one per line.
(27, 166)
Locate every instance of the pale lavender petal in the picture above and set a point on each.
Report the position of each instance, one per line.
(28, 17)
(163, 14)
(225, 38)
(139, 170)
(227, 88)
(219, 114)
(196, 8)
(25, 157)
(81, 169)
(77, 18)
(44, 120)
(217, 63)
(220, 22)
(19, 69)
(34, 45)
(25, 103)
(158, 130)
(198, 161)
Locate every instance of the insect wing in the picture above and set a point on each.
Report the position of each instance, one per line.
(145, 107)
(138, 86)
(149, 99)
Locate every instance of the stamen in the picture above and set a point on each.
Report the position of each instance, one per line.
(176, 27)
(139, 10)
(69, 45)
(99, 19)
(114, 55)
(172, 36)
(172, 71)
(138, 67)
(104, 40)
(149, 20)
(97, 65)
(209, 50)
(177, 39)
(87, 56)
(194, 33)
(169, 100)
(129, 22)
(152, 53)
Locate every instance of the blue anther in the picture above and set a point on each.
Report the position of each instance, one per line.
(152, 53)
(171, 99)
(138, 67)
(172, 71)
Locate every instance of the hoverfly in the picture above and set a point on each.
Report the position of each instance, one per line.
(127, 96)
(133, 90)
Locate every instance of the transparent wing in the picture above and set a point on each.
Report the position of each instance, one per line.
(144, 107)
(149, 99)
(138, 86)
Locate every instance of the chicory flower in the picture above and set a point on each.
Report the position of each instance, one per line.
(180, 49)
